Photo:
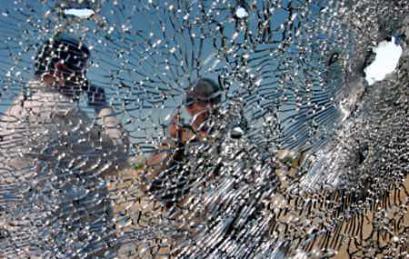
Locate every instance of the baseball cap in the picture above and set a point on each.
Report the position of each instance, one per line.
(62, 48)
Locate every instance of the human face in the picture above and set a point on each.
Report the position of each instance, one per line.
(62, 75)
(199, 111)
(65, 80)
(197, 108)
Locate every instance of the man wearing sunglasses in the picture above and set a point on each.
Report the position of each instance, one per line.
(54, 157)
(201, 104)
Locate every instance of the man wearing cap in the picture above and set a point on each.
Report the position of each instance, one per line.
(200, 103)
(160, 174)
(53, 158)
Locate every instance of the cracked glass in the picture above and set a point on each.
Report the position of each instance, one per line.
(204, 129)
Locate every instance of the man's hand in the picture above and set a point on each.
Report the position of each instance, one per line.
(178, 131)
(96, 97)
(174, 126)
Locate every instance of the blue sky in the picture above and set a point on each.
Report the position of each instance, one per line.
(146, 54)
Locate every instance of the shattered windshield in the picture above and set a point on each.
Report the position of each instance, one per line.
(204, 128)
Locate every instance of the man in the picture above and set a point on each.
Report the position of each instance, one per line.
(170, 189)
(53, 157)
(165, 167)
(200, 103)
(162, 175)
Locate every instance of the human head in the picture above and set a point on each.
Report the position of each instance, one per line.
(63, 58)
(202, 96)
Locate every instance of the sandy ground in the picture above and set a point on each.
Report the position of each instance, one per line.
(137, 211)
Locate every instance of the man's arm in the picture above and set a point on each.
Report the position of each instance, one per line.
(114, 137)
(113, 128)
(180, 132)
(159, 158)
